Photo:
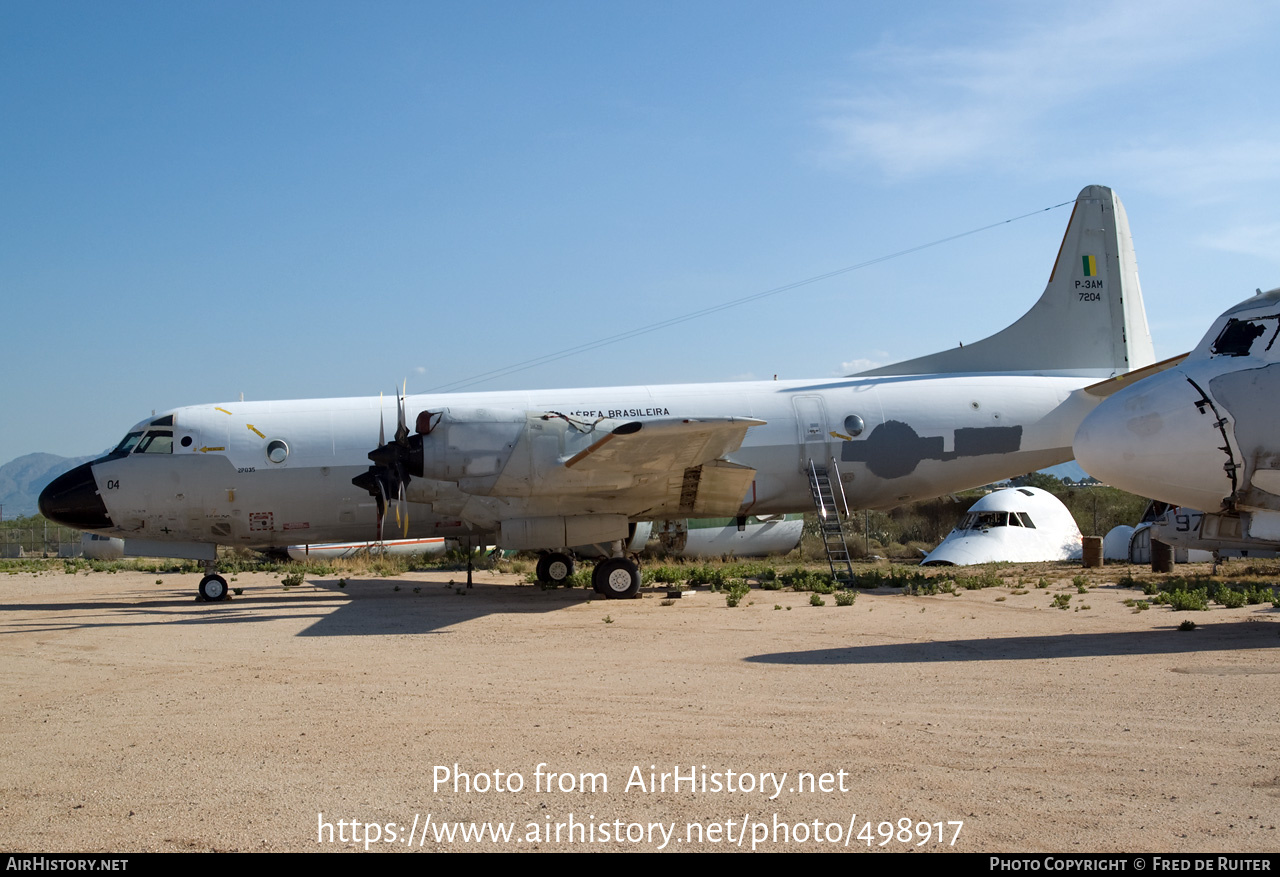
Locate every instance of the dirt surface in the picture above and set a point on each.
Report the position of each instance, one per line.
(137, 719)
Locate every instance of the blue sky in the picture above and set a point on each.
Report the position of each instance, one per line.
(284, 200)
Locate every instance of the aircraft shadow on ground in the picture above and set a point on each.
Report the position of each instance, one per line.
(378, 609)
(364, 607)
(1231, 636)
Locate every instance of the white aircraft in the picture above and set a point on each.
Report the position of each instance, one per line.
(97, 547)
(544, 469)
(729, 537)
(1203, 435)
(1187, 530)
(1181, 529)
(1020, 524)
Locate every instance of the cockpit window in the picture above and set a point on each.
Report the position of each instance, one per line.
(157, 441)
(127, 443)
(984, 520)
(987, 520)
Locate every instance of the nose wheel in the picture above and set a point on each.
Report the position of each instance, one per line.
(213, 588)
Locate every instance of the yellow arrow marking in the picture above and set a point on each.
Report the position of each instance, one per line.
(255, 429)
(223, 410)
(840, 435)
(207, 450)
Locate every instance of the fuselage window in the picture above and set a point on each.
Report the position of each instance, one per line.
(156, 442)
(277, 451)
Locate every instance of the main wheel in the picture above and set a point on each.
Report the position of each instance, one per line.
(616, 578)
(213, 588)
(554, 568)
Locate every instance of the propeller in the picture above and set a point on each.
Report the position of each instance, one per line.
(387, 478)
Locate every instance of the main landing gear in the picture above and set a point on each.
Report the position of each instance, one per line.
(615, 577)
(554, 569)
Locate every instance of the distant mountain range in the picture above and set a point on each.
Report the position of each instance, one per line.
(21, 480)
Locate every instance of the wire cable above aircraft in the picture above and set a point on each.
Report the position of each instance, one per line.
(547, 358)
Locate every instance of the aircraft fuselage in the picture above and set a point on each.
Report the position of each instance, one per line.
(278, 473)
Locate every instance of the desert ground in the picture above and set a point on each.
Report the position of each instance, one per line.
(389, 712)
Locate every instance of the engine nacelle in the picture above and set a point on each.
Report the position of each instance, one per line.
(522, 534)
(501, 452)
(464, 444)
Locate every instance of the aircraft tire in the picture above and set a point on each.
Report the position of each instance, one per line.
(213, 588)
(554, 568)
(617, 578)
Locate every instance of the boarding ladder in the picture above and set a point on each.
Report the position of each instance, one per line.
(830, 521)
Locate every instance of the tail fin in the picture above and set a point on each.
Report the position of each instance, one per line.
(1089, 321)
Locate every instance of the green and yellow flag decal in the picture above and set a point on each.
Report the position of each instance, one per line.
(1090, 266)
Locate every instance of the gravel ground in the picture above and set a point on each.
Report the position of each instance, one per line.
(136, 719)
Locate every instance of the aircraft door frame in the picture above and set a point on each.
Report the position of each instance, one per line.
(812, 432)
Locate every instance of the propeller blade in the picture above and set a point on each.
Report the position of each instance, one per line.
(402, 427)
(388, 477)
(382, 508)
(382, 433)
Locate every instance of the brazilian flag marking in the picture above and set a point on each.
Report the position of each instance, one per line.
(1090, 266)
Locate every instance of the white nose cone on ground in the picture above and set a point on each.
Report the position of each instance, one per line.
(1153, 439)
(1021, 525)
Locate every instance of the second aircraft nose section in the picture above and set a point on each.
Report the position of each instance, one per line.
(72, 499)
(1154, 439)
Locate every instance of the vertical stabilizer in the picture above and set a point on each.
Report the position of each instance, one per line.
(1090, 319)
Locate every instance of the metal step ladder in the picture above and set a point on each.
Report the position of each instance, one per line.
(830, 520)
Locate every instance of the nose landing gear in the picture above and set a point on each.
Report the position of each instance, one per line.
(213, 587)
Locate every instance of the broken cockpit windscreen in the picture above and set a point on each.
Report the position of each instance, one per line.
(1240, 337)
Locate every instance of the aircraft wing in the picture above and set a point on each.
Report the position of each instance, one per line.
(663, 445)
(675, 464)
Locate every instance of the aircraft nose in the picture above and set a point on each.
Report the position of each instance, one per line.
(72, 499)
(1153, 440)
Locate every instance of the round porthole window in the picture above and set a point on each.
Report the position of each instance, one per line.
(186, 441)
(277, 450)
(853, 425)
